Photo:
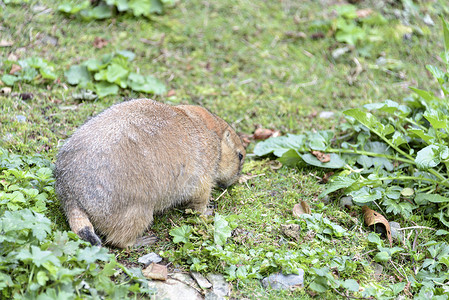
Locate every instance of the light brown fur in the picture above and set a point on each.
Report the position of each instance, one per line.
(138, 158)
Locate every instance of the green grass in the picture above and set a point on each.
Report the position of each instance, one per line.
(237, 59)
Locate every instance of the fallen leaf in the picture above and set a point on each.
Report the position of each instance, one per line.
(317, 36)
(245, 139)
(324, 158)
(156, 271)
(372, 217)
(12, 57)
(291, 230)
(295, 34)
(326, 177)
(15, 69)
(275, 165)
(100, 42)
(6, 43)
(301, 208)
(363, 13)
(245, 177)
(171, 93)
(265, 133)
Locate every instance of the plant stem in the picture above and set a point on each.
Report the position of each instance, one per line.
(412, 178)
(367, 153)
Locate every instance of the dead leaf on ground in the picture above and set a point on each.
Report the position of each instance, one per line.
(301, 208)
(275, 165)
(100, 42)
(6, 43)
(326, 177)
(265, 133)
(12, 57)
(245, 177)
(15, 69)
(322, 157)
(156, 271)
(363, 13)
(317, 36)
(171, 93)
(295, 34)
(246, 139)
(291, 230)
(372, 217)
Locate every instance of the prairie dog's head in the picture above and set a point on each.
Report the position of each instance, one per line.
(232, 157)
(232, 150)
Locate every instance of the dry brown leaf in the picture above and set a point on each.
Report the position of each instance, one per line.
(245, 177)
(322, 157)
(6, 43)
(301, 208)
(372, 217)
(275, 165)
(100, 42)
(363, 13)
(171, 93)
(291, 230)
(15, 69)
(295, 34)
(262, 133)
(326, 177)
(156, 271)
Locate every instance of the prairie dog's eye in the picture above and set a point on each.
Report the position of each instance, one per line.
(240, 156)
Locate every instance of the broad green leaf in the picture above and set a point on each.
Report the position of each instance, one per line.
(374, 238)
(127, 54)
(140, 7)
(340, 182)
(367, 119)
(437, 73)
(146, 84)
(427, 157)
(398, 138)
(122, 5)
(336, 162)
(382, 256)
(9, 79)
(280, 145)
(389, 106)
(320, 140)
(93, 253)
(47, 73)
(156, 6)
(103, 89)
(291, 158)
(351, 285)
(181, 234)
(78, 74)
(445, 35)
(423, 198)
(221, 230)
(423, 94)
(436, 118)
(73, 8)
(97, 13)
(116, 74)
(393, 192)
(422, 135)
(365, 195)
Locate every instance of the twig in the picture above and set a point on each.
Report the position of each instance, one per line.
(416, 227)
(221, 194)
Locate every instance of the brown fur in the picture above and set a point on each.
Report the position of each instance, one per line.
(138, 158)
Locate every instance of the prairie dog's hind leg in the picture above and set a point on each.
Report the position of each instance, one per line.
(80, 224)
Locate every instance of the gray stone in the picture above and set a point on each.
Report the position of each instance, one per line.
(173, 289)
(149, 258)
(346, 201)
(201, 280)
(327, 114)
(428, 20)
(280, 281)
(395, 233)
(186, 279)
(21, 118)
(220, 288)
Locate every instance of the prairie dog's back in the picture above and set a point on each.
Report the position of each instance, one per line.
(136, 158)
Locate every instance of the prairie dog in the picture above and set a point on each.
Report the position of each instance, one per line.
(138, 158)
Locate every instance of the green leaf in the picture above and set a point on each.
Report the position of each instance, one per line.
(73, 8)
(280, 145)
(103, 89)
(181, 234)
(146, 84)
(423, 94)
(221, 230)
(382, 256)
(336, 162)
(445, 35)
(140, 7)
(78, 75)
(340, 182)
(115, 74)
(436, 118)
(397, 287)
(351, 285)
(9, 79)
(423, 198)
(365, 195)
(98, 12)
(92, 254)
(374, 238)
(428, 157)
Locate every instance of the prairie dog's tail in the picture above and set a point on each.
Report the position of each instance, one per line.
(80, 224)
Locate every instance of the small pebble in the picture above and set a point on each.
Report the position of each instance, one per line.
(21, 118)
(149, 258)
(280, 281)
(327, 114)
